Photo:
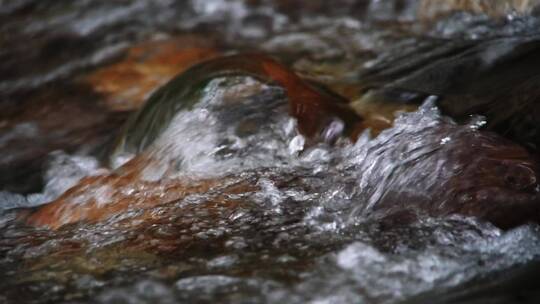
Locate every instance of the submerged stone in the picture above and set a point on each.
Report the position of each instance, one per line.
(429, 164)
(425, 164)
(314, 107)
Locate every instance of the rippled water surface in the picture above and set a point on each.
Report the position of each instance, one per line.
(231, 203)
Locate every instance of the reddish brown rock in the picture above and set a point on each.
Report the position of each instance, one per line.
(314, 106)
(126, 84)
(426, 164)
(452, 169)
(98, 198)
(440, 170)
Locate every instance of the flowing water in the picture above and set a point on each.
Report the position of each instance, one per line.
(283, 219)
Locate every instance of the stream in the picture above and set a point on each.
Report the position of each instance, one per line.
(214, 192)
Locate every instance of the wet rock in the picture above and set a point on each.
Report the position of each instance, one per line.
(443, 168)
(425, 164)
(314, 106)
(98, 198)
(127, 83)
(497, 78)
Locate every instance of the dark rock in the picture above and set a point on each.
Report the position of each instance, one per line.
(441, 168)
(498, 78)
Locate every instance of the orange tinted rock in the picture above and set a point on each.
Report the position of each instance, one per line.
(98, 198)
(147, 66)
(311, 106)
